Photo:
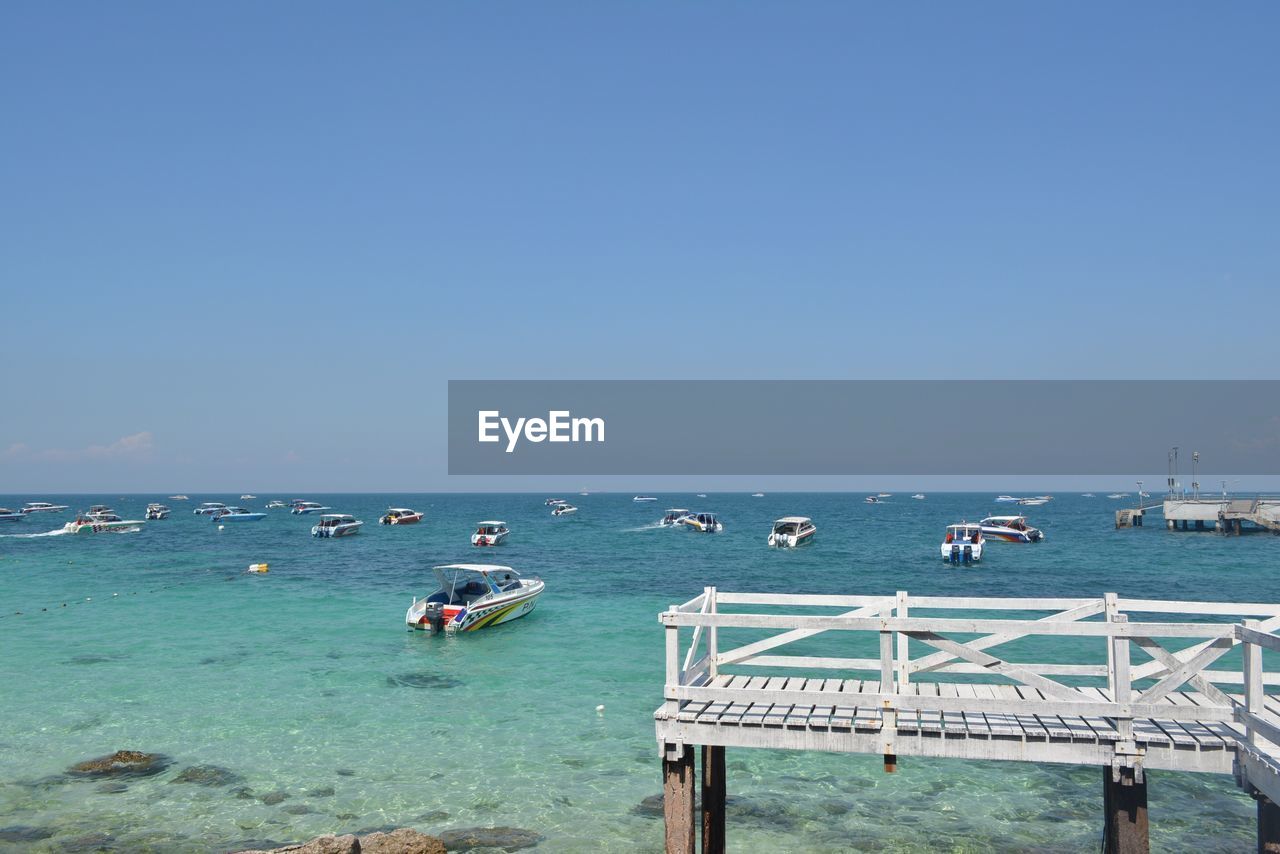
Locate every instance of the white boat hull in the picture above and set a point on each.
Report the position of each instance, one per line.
(329, 532)
(962, 552)
(488, 539)
(492, 612)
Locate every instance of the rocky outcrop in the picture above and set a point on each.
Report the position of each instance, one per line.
(402, 841)
(122, 763)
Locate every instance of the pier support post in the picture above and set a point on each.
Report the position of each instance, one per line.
(1268, 825)
(713, 798)
(1124, 801)
(677, 800)
(1171, 524)
(1199, 524)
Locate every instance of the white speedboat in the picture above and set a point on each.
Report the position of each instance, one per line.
(99, 508)
(919, 496)
(97, 523)
(552, 502)
(179, 498)
(490, 533)
(701, 495)
(1118, 495)
(1033, 502)
(872, 499)
(303, 508)
(157, 511)
(1007, 498)
(400, 516)
(42, 507)
(963, 543)
(705, 523)
(209, 508)
(273, 505)
(563, 509)
(757, 495)
(644, 498)
(7, 515)
(237, 514)
(336, 525)
(474, 596)
(1011, 529)
(674, 517)
(792, 531)
(1088, 495)
(247, 497)
(884, 495)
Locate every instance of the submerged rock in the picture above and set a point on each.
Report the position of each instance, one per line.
(507, 838)
(296, 809)
(322, 792)
(273, 798)
(422, 680)
(345, 772)
(87, 843)
(207, 775)
(122, 763)
(402, 841)
(23, 833)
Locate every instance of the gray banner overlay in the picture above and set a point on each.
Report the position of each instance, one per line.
(940, 427)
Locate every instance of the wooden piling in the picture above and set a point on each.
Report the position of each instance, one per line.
(677, 802)
(1268, 825)
(713, 799)
(1124, 803)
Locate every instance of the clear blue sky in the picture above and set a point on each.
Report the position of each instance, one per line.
(254, 240)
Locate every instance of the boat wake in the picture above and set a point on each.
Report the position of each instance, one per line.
(654, 527)
(57, 533)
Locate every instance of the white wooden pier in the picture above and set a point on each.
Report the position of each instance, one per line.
(1141, 692)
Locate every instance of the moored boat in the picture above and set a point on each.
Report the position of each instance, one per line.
(872, 499)
(208, 508)
(1011, 529)
(963, 543)
(303, 508)
(97, 523)
(157, 511)
(336, 525)
(563, 509)
(644, 498)
(273, 505)
(42, 507)
(474, 596)
(490, 533)
(552, 502)
(247, 497)
(704, 523)
(791, 531)
(179, 498)
(7, 515)
(400, 516)
(919, 496)
(237, 514)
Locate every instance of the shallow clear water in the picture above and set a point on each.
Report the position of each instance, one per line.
(295, 680)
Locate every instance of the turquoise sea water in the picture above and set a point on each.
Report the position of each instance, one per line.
(302, 682)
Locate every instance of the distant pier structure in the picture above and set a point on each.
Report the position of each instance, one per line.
(1193, 510)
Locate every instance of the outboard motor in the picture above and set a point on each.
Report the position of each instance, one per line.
(434, 617)
(968, 554)
(955, 553)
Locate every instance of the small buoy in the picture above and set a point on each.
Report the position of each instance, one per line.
(600, 709)
(114, 595)
(220, 527)
(88, 598)
(257, 567)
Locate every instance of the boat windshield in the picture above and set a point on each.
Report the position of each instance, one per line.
(459, 586)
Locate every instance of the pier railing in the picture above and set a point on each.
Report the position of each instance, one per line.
(1133, 689)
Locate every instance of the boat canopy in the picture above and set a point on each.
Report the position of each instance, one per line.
(399, 510)
(793, 520)
(475, 579)
(492, 524)
(333, 517)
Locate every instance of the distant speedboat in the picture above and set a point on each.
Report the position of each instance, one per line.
(99, 508)
(336, 525)
(701, 495)
(563, 509)
(705, 523)
(674, 517)
(551, 502)
(247, 497)
(236, 514)
(273, 505)
(178, 498)
(962, 544)
(1007, 498)
(42, 507)
(302, 508)
(400, 516)
(474, 596)
(919, 496)
(791, 531)
(209, 508)
(872, 499)
(7, 515)
(157, 511)
(1032, 502)
(884, 495)
(490, 533)
(1088, 495)
(1012, 529)
(1118, 495)
(97, 523)
(757, 495)
(644, 498)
